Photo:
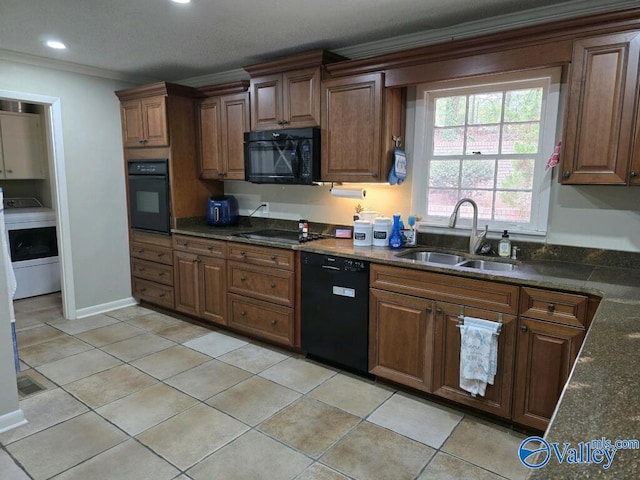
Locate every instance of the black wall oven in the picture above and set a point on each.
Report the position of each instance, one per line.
(149, 208)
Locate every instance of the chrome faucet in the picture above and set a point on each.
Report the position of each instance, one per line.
(475, 240)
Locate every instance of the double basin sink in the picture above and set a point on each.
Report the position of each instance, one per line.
(455, 260)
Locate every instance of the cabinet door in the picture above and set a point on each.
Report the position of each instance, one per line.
(132, 131)
(235, 121)
(213, 291)
(266, 102)
(186, 283)
(352, 121)
(154, 122)
(210, 139)
(446, 377)
(600, 114)
(546, 353)
(401, 338)
(21, 146)
(301, 98)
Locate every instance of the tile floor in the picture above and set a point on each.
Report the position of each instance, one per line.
(136, 394)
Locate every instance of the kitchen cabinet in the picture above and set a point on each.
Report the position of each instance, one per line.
(22, 153)
(144, 122)
(261, 290)
(160, 121)
(223, 119)
(285, 93)
(551, 329)
(359, 119)
(446, 377)
(152, 268)
(414, 339)
(200, 278)
(603, 119)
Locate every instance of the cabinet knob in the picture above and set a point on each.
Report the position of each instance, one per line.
(273, 322)
(551, 308)
(633, 174)
(9, 171)
(242, 253)
(143, 289)
(524, 329)
(210, 247)
(273, 285)
(141, 269)
(184, 243)
(161, 274)
(429, 309)
(566, 174)
(195, 260)
(273, 258)
(162, 295)
(160, 255)
(243, 313)
(243, 278)
(439, 311)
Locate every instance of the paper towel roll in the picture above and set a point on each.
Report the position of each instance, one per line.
(348, 192)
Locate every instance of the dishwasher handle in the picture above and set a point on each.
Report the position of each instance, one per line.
(331, 267)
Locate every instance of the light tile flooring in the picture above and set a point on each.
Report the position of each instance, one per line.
(136, 394)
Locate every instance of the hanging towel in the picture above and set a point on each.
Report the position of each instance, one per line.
(478, 354)
(555, 157)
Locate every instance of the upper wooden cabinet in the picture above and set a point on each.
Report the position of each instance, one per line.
(359, 120)
(285, 93)
(223, 119)
(21, 146)
(602, 114)
(144, 122)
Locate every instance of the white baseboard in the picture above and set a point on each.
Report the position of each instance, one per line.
(105, 307)
(12, 420)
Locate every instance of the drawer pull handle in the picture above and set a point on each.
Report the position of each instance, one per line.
(273, 257)
(141, 250)
(160, 255)
(141, 269)
(551, 308)
(210, 247)
(243, 313)
(143, 289)
(273, 285)
(242, 253)
(242, 279)
(184, 243)
(162, 295)
(273, 322)
(160, 274)
(524, 329)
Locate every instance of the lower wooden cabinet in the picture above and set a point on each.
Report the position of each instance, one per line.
(546, 353)
(446, 376)
(401, 338)
(152, 268)
(161, 295)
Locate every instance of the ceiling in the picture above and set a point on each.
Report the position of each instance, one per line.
(161, 40)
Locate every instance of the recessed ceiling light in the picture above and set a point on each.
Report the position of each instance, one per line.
(56, 44)
(181, 1)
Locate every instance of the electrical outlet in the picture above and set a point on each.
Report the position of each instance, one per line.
(265, 209)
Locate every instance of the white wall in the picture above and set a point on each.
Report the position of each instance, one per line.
(94, 175)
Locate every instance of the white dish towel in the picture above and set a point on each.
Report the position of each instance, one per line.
(478, 354)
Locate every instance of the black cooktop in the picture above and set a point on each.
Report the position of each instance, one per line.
(284, 236)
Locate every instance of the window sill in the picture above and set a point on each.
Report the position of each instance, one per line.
(464, 231)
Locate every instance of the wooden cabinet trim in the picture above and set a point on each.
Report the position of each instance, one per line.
(489, 295)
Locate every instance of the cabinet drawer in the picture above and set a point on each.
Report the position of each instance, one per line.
(152, 253)
(265, 256)
(558, 307)
(270, 284)
(158, 239)
(494, 296)
(153, 292)
(266, 320)
(201, 246)
(155, 272)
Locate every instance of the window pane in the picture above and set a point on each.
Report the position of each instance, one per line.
(484, 199)
(478, 173)
(515, 174)
(485, 108)
(448, 141)
(520, 138)
(450, 111)
(513, 206)
(444, 173)
(441, 201)
(523, 105)
(483, 139)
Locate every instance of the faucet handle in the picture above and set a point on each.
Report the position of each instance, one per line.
(484, 234)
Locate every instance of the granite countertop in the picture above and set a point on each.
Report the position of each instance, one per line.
(601, 396)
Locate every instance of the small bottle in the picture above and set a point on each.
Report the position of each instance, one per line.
(303, 230)
(504, 246)
(395, 240)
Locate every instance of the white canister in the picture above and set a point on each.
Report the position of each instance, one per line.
(362, 233)
(381, 231)
(368, 215)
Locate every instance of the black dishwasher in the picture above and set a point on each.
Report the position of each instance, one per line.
(335, 310)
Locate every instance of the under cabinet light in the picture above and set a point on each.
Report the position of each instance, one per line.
(181, 1)
(56, 44)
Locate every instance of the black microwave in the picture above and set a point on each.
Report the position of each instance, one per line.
(290, 156)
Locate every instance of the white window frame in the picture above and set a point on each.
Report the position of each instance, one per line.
(423, 138)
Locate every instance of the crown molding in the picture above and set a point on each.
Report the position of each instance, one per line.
(61, 65)
(216, 78)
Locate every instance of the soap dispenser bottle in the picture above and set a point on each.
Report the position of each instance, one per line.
(395, 240)
(504, 246)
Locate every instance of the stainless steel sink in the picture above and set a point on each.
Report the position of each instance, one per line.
(487, 265)
(431, 257)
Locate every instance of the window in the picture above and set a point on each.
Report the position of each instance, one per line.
(488, 141)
